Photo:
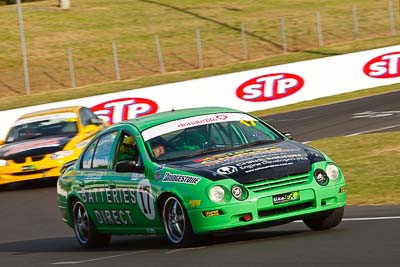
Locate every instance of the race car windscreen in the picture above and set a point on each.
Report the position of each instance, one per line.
(206, 134)
(43, 126)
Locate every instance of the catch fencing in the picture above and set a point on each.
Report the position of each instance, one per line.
(119, 59)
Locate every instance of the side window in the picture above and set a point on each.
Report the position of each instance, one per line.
(88, 156)
(103, 152)
(127, 148)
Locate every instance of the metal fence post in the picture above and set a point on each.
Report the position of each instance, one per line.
(159, 54)
(391, 17)
(319, 29)
(199, 50)
(23, 48)
(356, 33)
(116, 63)
(283, 34)
(244, 41)
(71, 67)
(64, 4)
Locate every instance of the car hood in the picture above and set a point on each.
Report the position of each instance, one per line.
(253, 164)
(34, 147)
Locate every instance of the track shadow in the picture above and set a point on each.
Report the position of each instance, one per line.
(52, 78)
(27, 185)
(237, 29)
(4, 84)
(69, 244)
(248, 236)
(322, 53)
(139, 243)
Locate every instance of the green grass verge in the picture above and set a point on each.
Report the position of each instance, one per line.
(370, 165)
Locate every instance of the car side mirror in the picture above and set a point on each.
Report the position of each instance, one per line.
(288, 135)
(66, 166)
(96, 121)
(128, 166)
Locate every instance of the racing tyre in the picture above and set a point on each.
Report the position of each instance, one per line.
(85, 231)
(325, 220)
(176, 223)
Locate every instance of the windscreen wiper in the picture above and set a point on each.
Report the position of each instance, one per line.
(259, 142)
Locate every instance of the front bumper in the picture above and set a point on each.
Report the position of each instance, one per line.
(30, 170)
(260, 209)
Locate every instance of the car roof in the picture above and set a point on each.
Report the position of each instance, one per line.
(74, 109)
(148, 121)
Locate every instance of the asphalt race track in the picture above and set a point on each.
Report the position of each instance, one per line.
(365, 115)
(32, 233)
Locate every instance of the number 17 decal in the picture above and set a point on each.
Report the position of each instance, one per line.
(248, 123)
(145, 199)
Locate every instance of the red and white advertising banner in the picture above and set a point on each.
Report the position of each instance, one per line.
(250, 90)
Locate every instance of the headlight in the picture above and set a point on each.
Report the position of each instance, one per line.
(61, 154)
(238, 192)
(217, 194)
(321, 177)
(3, 163)
(332, 171)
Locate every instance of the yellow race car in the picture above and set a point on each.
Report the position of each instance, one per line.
(41, 144)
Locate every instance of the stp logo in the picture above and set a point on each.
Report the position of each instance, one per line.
(124, 108)
(270, 87)
(385, 66)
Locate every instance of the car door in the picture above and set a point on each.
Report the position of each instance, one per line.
(98, 191)
(136, 195)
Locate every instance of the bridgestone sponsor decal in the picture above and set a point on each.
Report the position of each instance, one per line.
(178, 178)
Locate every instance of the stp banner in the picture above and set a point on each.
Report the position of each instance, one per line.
(250, 90)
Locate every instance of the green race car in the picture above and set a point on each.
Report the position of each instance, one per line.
(195, 171)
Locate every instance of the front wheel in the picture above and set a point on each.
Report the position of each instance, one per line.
(176, 223)
(325, 220)
(85, 231)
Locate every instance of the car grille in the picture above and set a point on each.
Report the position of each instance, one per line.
(38, 157)
(271, 212)
(30, 172)
(267, 185)
(20, 160)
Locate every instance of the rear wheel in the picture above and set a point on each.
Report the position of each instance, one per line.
(85, 231)
(325, 220)
(176, 223)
